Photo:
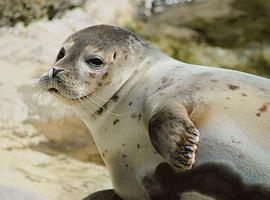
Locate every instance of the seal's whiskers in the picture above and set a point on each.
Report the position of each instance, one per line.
(99, 105)
(99, 97)
(81, 114)
(89, 103)
(106, 110)
(31, 87)
(37, 92)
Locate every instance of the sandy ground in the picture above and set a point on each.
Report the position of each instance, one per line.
(28, 128)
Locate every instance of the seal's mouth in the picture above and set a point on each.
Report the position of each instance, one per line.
(114, 98)
(53, 90)
(57, 92)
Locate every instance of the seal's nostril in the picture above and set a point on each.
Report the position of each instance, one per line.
(54, 71)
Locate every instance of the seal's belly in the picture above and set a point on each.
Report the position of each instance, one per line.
(229, 144)
(232, 133)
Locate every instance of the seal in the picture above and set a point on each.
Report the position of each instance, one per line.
(151, 116)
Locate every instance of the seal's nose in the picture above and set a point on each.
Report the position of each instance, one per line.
(54, 71)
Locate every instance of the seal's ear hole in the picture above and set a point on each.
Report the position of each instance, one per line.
(114, 55)
(61, 54)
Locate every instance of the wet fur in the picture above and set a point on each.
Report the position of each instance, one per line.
(212, 180)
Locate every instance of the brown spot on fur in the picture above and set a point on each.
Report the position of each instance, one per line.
(115, 98)
(92, 75)
(243, 94)
(116, 121)
(138, 146)
(233, 87)
(99, 84)
(105, 75)
(124, 156)
(126, 56)
(123, 145)
(164, 79)
(263, 108)
(130, 103)
(126, 165)
(134, 115)
(100, 111)
(139, 117)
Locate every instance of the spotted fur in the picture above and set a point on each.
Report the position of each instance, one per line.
(137, 88)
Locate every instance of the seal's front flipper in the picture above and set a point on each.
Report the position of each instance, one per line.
(173, 135)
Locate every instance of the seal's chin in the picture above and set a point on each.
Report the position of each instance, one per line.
(56, 92)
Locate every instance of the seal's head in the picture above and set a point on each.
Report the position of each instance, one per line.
(94, 61)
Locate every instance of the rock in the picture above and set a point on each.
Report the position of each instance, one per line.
(14, 11)
(12, 193)
(50, 177)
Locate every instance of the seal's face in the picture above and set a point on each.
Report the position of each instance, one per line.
(94, 61)
(78, 73)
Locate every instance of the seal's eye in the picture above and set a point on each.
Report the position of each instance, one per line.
(94, 62)
(61, 54)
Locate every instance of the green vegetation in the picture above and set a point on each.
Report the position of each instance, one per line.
(230, 34)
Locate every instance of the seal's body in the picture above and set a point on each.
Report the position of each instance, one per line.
(145, 109)
(226, 108)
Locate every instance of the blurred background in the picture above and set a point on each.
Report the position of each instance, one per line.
(44, 148)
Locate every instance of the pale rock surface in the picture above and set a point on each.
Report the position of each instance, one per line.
(28, 128)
